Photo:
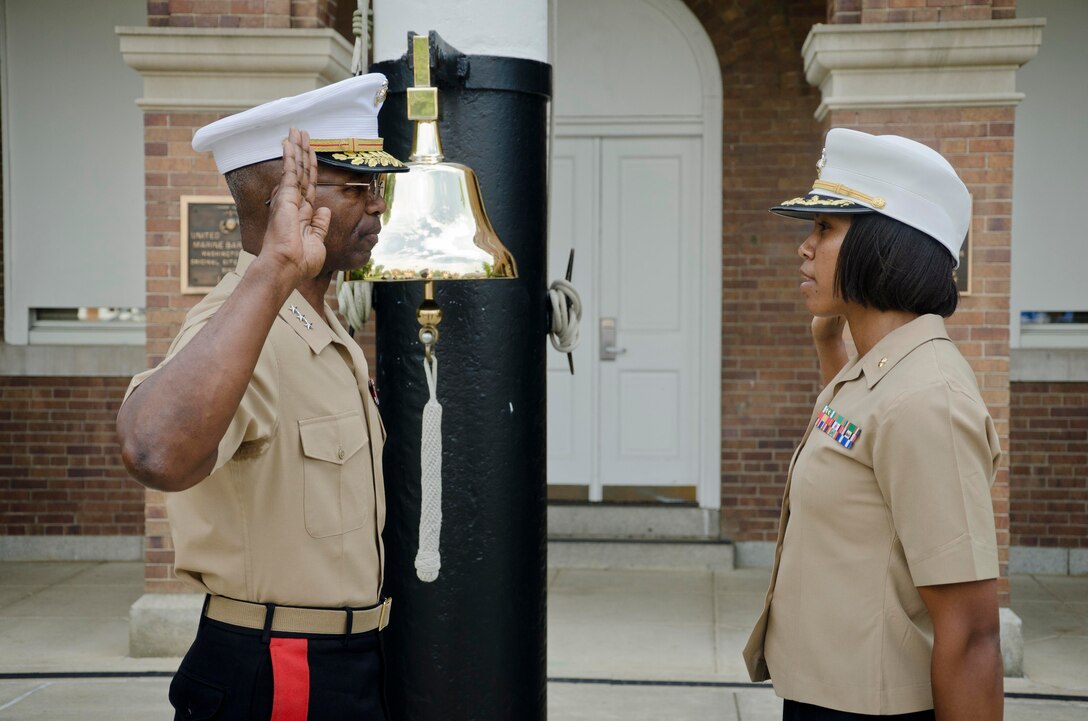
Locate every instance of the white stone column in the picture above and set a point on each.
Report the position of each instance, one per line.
(506, 28)
(912, 65)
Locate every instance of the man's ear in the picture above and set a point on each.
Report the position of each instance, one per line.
(251, 185)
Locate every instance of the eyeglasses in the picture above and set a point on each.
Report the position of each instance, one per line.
(375, 188)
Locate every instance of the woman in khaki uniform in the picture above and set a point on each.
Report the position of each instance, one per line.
(883, 598)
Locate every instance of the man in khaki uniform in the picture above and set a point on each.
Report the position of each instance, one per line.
(261, 426)
(882, 599)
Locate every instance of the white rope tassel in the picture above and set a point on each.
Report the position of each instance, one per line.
(358, 26)
(566, 313)
(428, 560)
(356, 300)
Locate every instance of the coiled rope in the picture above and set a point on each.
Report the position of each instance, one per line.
(356, 300)
(566, 315)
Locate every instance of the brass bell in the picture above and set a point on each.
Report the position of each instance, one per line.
(435, 226)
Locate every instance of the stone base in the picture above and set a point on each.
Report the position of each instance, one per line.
(594, 553)
(755, 554)
(163, 624)
(71, 548)
(611, 522)
(1012, 644)
(1061, 561)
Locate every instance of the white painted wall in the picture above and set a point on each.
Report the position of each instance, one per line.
(73, 159)
(652, 71)
(506, 28)
(1049, 237)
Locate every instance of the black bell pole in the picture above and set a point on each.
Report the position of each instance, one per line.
(471, 646)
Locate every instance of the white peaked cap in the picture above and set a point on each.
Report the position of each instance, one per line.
(342, 120)
(892, 175)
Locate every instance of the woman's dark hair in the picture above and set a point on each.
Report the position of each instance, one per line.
(888, 265)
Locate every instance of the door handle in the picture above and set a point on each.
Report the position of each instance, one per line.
(609, 349)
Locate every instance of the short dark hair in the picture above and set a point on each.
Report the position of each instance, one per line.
(888, 265)
(239, 178)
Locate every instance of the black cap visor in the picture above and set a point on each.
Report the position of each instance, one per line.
(809, 206)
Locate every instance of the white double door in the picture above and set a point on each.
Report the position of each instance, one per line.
(630, 207)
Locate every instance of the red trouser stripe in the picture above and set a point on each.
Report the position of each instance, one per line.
(290, 679)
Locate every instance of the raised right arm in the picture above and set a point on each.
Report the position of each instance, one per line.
(170, 427)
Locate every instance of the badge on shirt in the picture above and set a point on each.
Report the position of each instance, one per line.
(833, 424)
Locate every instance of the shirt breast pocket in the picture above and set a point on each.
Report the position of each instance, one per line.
(338, 483)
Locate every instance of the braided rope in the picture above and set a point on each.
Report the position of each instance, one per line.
(428, 561)
(357, 27)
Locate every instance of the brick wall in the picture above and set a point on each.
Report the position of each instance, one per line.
(979, 144)
(770, 147)
(60, 473)
(918, 11)
(244, 13)
(1049, 460)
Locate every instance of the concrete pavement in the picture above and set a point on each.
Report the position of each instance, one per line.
(622, 644)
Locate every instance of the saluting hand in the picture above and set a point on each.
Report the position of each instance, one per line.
(296, 231)
(829, 329)
(830, 346)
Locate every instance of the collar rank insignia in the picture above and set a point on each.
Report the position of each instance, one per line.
(298, 314)
(833, 424)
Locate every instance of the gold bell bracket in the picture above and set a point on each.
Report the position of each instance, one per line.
(429, 315)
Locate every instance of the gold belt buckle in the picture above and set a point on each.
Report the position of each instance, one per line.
(383, 613)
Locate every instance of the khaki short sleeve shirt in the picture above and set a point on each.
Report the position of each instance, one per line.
(889, 490)
(293, 511)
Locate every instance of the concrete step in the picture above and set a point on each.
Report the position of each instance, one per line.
(631, 522)
(602, 554)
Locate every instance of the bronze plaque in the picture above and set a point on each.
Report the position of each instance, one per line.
(210, 241)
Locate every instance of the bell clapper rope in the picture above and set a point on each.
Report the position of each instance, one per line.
(566, 307)
(356, 296)
(428, 560)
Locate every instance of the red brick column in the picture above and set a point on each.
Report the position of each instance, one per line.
(917, 11)
(244, 13)
(979, 144)
(771, 143)
(172, 169)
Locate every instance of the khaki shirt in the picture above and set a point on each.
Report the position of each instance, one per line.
(889, 490)
(293, 512)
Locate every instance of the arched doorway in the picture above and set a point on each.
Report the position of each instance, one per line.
(636, 190)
